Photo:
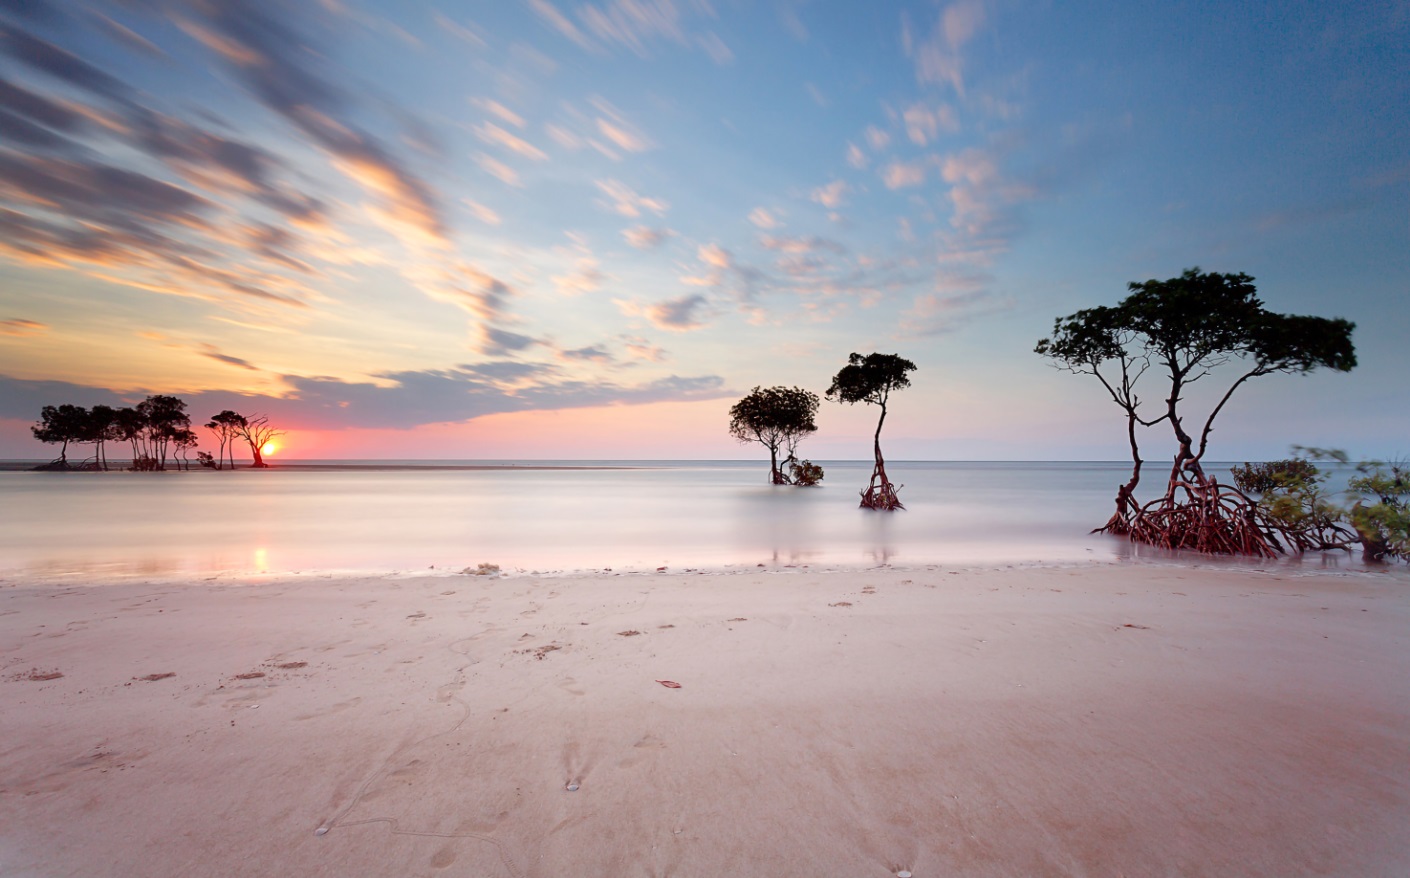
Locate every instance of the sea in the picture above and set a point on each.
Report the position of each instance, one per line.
(386, 517)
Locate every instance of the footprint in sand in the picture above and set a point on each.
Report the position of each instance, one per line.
(447, 693)
(336, 708)
(443, 857)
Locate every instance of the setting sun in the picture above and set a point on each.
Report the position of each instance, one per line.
(269, 448)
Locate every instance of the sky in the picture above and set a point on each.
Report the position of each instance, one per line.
(559, 229)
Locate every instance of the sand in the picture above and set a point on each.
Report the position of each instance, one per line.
(1109, 720)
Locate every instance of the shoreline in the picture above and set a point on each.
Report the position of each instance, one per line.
(1047, 719)
(1143, 557)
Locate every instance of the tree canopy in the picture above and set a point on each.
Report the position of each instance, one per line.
(777, 418)
(870, 379)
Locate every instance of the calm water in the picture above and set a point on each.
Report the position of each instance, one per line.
(689, 514)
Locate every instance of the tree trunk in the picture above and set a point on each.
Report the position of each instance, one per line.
(880, 493)
(259, 458)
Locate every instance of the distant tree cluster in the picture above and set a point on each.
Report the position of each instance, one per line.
(156, 430)
(780, 417)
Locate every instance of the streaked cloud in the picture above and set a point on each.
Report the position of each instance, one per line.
(647, 237)
(960, 301)
(493, 134)
(277, 64)
(762, 218)
(715, 47)
(498, 110)
(635, 25)
(624, 200)
(498, 169)
(19, 327)
(613, 125)
(481, 212)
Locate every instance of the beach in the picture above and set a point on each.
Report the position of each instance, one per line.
(1115, 718)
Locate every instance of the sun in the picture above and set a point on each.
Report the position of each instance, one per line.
(269, 448)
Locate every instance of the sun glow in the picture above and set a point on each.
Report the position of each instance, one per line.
(269, 448)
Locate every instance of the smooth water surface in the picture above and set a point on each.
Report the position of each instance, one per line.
(689, 514)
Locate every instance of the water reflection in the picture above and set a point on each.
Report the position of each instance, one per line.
(688, 515)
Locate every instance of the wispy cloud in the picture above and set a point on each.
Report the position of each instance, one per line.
(764, 219)
(634, 25)
(498, 169)
(496, 342)
(481, 212)
(647, 237)
(855, 157)
(586, 275)
(493, 134)
(959, 300)
(715, 47)
(937, 55)
(832, 195)
(278, 66)
(925, 123)
(681, 314)
(19, 327)
(625, 201)
(500, 111)
(214, 353)
(899, 175)
(641, 349)
(613, 124)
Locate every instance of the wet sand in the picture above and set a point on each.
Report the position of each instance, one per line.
(1117, 719)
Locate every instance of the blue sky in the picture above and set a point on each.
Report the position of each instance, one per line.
(562, 229)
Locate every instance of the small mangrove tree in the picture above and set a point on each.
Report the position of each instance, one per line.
(871, 379)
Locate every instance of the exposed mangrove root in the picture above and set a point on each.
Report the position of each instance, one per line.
(1209, 519)
(1205, 516)
(881, 494)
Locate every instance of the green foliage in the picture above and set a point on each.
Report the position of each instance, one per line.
(870, 379)
(805, 473)
(1295, 499)
(1376, 514)
(1259, 478)
(1380, 509)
